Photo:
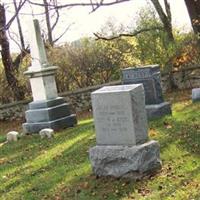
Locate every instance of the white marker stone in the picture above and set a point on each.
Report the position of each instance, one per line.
(12, 136)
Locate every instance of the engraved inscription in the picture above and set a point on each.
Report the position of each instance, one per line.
(112, 119)
(140, 74)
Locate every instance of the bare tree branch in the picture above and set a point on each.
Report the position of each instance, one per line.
(68, 27)
(48, 23)
(19, 26)
(135, 33)
(13, 39)
(21, 3)
(56, 21)
(91, 3)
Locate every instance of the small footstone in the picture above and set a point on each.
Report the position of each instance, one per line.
(133, 162)
(46, 132)
(12, 136)
(196, 94)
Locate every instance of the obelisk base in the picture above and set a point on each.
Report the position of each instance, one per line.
(53, 114)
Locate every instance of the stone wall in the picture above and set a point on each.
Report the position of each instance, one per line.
(184, 79)
(13, 111)
(80, 99)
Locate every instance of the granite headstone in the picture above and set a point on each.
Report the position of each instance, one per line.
(149, 76)
(122, 149)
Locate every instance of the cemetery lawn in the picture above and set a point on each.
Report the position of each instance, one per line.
(59, 168)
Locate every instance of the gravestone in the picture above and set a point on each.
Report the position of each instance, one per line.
(149, 76)
(122, 149)
(195, 94)
(47, 109)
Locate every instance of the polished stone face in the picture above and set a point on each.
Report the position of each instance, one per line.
(149, 76)
(120, 115)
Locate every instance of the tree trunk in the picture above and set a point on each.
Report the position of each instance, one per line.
(6, 58)
(48, 23)
(19, 28)
(193, 7)
(165, 18)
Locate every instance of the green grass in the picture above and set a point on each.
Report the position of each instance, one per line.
(59, 168)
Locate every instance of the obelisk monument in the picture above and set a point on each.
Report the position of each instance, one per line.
(47, 110)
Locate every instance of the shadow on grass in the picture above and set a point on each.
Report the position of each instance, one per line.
(20, 169)
(60, 168)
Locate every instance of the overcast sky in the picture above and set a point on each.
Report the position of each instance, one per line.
(85, 24)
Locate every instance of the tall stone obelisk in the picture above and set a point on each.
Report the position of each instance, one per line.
(47, 109)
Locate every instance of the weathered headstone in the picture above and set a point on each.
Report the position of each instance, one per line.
(149, 76)
(196, 94)
(123, 149)
(47, 109)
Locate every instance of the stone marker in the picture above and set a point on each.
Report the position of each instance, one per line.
(113, 111)
(123, 149)
(47, 109)
(46, 132)
(196, 94)
(149, 76)
(12, 136)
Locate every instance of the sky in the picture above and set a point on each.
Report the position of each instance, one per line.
(85, 23)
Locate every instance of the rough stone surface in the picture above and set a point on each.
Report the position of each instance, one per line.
(12, 136)
(120, 115)
(149, 76)
(47, 132)
(196, 94)
(158, 110)
(133, 162)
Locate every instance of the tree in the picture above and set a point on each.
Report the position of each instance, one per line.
(166, 19)
(7, 61)
(193, 7)
(10, 66)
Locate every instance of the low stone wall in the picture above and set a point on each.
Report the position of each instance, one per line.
(184, 79)
(14, 110)
(81, 101)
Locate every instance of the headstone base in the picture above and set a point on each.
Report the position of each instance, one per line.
(53, 114)
(158, 110)
(132, 162)
(195, 94)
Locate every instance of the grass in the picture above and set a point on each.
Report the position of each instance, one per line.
(59, 168)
